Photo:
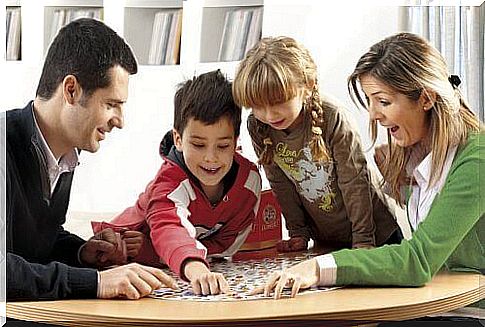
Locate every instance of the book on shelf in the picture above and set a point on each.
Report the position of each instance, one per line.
(166, 34)
(62, 17)
(13, 33)
(241, 31)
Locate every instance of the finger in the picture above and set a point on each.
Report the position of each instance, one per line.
(224, 285)
(101, 246)
(213, 283)
(296, 286)
(141, 285)
(257, 290)
(131, 234)
(107, 235)
(282, 282)
(196, 287)
(133, 240)
(131, 292)
(204, 285)
(270, 284)
(162, 277)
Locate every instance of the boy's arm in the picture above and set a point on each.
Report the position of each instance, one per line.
(171, 232)
(353, 178)
(283, 189)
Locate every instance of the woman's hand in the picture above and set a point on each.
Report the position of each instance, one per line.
(303, 275)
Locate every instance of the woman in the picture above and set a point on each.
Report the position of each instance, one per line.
(434, 164)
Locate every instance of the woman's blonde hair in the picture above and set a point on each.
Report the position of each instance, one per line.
(273, 72)
(411, 66)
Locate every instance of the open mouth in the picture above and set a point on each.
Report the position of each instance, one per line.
(210, 171)
(278, 123)
(394, 129)
(101, 133)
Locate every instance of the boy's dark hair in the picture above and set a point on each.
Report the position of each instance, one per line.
(87, 49)
(206, 98)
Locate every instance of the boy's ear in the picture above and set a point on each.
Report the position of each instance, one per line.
(427, 99)
(177, 140)
(71, 89)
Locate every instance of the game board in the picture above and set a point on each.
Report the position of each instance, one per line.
(242, 276)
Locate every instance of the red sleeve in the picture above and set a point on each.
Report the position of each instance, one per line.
(171, 233)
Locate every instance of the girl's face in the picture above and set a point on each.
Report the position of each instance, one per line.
(284, 115)
(405, 119)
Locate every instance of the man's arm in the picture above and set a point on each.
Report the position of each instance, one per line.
(31, 281)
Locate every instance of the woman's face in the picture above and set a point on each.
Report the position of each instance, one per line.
(405, 119)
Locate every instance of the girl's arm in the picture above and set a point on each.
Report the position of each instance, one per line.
(352, 175)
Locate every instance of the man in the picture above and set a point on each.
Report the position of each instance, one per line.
(79, 99)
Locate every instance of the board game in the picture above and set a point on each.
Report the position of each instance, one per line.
(242, 276)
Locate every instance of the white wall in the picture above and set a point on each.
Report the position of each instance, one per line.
(111, 179)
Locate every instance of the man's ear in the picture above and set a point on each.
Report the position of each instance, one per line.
(71, 90)
(427, 99)
(177, 140)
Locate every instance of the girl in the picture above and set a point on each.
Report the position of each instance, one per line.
(437, 155)
(312, 158)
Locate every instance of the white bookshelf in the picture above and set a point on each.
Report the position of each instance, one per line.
(51, 17)
(139, 19)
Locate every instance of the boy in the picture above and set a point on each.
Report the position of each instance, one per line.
(205, 196)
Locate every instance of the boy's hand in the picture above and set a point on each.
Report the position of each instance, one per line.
(134, 241)
(104, 249)
(292, 245)
(203, 281)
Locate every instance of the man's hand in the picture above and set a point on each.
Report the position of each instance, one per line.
(132, 281)
(104, 249)
(292, 245)
(134, 241)
(203, 281)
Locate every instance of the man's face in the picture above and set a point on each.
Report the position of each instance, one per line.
(90, 119)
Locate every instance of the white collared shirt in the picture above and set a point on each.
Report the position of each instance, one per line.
(422, 195)
(55, 167)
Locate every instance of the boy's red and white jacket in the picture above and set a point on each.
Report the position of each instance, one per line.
(181, 222)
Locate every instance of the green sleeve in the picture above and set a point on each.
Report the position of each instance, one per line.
(454, 214)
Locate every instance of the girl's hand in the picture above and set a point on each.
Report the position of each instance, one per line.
(203, 281)
(292, 245)
(303, 275)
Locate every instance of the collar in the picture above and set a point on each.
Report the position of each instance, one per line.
(422, 172)
(67, 162)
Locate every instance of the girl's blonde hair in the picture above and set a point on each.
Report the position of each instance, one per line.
(273, 72)
(411, 66)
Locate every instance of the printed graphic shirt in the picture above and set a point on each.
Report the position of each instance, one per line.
(181, 222)
(332, 202)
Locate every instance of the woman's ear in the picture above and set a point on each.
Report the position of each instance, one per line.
(427, 99)
(71, 90)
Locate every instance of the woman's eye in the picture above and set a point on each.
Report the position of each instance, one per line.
(384, 103)
(197, 145)
(223, 146)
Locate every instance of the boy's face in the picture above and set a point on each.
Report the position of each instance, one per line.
(208, 149)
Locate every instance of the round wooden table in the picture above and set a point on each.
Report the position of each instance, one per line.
(447, 291)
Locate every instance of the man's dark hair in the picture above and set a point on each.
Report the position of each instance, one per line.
(206, 98)
(87, 49)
